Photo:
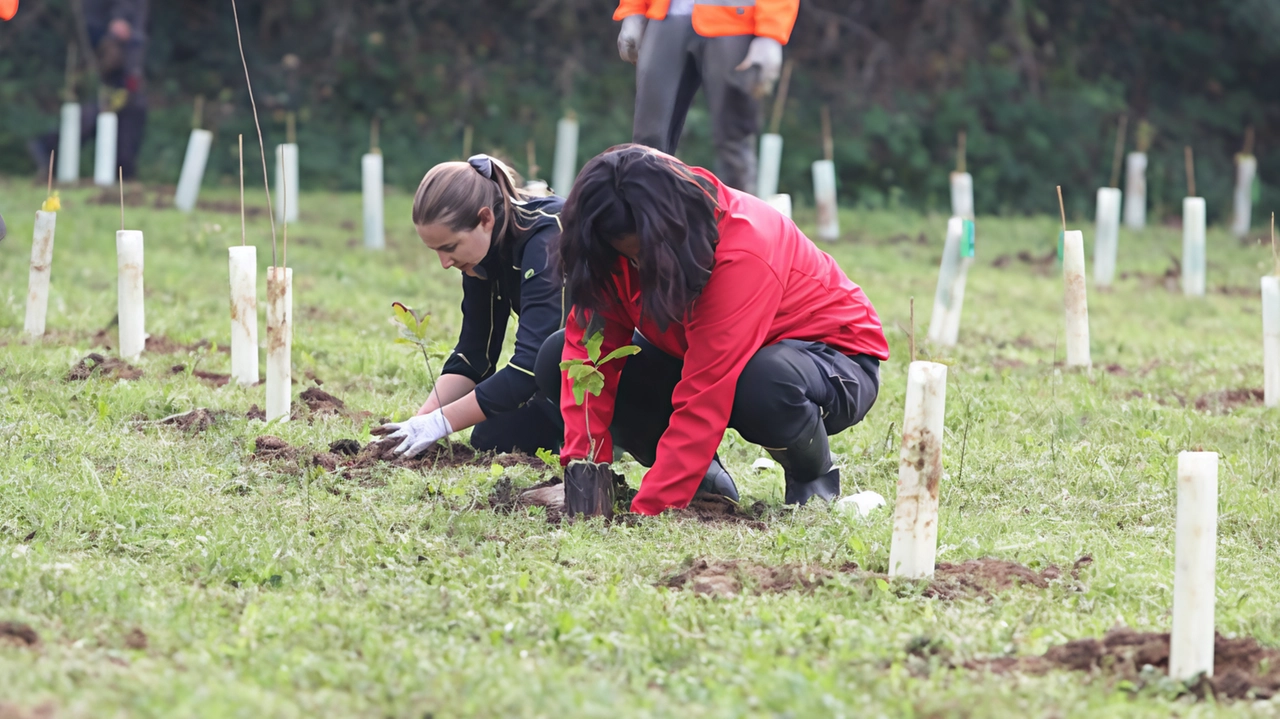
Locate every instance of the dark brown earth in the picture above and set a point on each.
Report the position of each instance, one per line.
(321, 403)
(136, 639)
(213, 378)
(507, 498)
(1242, 668)
(1229, 399)
(195, 421)
(379, 453)
(108, 338)
(111, 368)
(256, 412)
(976, 578)
(18, 634)
(714, 509)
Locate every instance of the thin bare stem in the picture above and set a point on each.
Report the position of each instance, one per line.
(828, 144)
(1190, 161)
(242, 233)
(1062, 209)
(291, 128)
(373, 138)
(961, 142)
(120, 170)
(1118, 155)
(197, 114)
(262, 148)
(49, 192)
(911, 336)
(284, 210)
(468, 134)
(1248, 141)
(780, 100)
(1275, 256)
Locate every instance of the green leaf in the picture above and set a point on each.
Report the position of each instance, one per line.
(581, 371)
(423, 324)
(594, 383)
(548, 457)
(571, 363)
(579, 394)
(404, 316)
(495, 470)
(593, 346)
(620, 352)
(882, 585)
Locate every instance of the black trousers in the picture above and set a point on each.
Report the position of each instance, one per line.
(537, 425)
(789, 398)
(131, 123)
(674, 60)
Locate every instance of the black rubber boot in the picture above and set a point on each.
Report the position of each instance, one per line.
(717, 481)
(809, 469)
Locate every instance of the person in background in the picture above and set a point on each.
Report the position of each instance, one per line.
(472, 216)
(745, 324)
(117, 31)
(733, 48)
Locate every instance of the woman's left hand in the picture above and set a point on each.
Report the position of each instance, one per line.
(419, 432)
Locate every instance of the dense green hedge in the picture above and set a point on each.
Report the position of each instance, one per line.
(1038, 86)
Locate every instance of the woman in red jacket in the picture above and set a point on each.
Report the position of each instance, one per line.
(741, 320)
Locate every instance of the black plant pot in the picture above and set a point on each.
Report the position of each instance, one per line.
(588, 489)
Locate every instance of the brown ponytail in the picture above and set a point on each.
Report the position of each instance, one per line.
(452, 194)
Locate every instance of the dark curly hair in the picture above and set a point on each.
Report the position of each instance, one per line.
(635, 190)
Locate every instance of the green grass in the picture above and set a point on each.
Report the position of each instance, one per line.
(266, 594)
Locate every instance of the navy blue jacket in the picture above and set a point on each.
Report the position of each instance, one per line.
(520, 280)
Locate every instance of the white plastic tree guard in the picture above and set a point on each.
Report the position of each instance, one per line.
(962, 195)
(244, 314)
(1107, 238)
(915, 520)
(38, 279)
(1242, 204)
(371, 186)
(1193, 250)
(824, 199)
(104, 154)
(1271, 340)
(69, 144)
(287, 169)
(565, 163)
(1195, 562)
(1135, 190)
(279, 342)
(770, 165)
(781, 203)
(1076, 300)
(192, 175)
(130, 298)
(948, 300)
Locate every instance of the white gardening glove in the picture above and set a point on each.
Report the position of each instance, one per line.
(766, 53)
(420, 432)
(630, 36)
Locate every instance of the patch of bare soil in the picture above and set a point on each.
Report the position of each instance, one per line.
(95, 364)
(380, 453)
(18, 634)
(977, 578)
(1043, 264)
(108, 338)
(714, 509)
(230, 208)
(1242, 668)
(730, 578)
(322, 403)
(193, 422)
(136, 639)
(1229, 399)
(47, 710)
(213, 378)
(256, 412)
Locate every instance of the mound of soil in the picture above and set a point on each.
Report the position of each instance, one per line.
(18, 634)
(987, 577)
(360, 463)
(107, 368)
(213, 378)
(1229, 399)
(256, 412)
(195, 421)
(321, 403)
(136, 639)
(347, 447)
(507, 498)
(1242, 668)
(727, 579)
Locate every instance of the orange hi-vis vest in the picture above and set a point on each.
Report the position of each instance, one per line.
(717, 18)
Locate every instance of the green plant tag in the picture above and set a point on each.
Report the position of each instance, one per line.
(967, 239)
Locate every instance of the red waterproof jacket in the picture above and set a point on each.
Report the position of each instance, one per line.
(770, 283)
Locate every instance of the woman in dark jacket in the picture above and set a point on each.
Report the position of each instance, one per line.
(471, 214)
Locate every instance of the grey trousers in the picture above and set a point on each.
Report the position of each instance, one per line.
(674, 60)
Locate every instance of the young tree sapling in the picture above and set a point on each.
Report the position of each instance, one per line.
(588, 485)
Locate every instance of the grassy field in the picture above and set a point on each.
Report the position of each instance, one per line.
(172, 574)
